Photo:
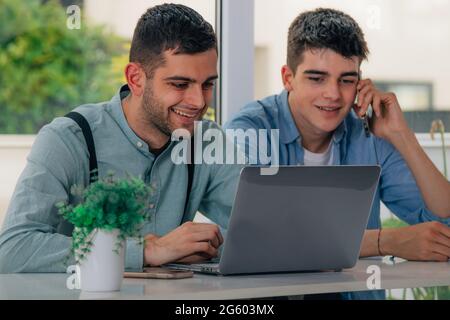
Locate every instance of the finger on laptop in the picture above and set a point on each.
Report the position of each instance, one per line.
(206, 227)
(207, 236)
(198, 257)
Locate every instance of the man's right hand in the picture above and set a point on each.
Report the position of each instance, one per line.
(191, 242)
(429, 241)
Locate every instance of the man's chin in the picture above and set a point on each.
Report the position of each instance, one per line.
(329, 128)
(184, 130)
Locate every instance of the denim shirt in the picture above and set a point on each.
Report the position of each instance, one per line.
(397, 188)
(35, 238)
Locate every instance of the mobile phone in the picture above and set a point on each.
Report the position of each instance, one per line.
(366, 119)
(159, 273)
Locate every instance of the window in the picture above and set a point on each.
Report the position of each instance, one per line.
(411, 95)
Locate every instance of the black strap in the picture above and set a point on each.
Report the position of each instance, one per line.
(93, 167)
(86, 129)
(191, 169)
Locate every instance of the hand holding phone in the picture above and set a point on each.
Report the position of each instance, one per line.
(365, 113)
(380, 111)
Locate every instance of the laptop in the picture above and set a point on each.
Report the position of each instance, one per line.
(303, 218)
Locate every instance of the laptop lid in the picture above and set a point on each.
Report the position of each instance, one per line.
(301, 219)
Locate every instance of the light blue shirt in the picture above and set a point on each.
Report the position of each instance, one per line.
(35, 238)
(350, 146)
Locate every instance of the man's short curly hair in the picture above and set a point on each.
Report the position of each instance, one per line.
(325, 29)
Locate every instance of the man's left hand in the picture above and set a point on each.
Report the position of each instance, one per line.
(387, 121)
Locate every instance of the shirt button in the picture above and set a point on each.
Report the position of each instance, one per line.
(139, 144)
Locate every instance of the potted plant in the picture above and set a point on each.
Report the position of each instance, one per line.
(110, 210)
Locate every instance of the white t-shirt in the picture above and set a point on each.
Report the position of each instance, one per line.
(319, 159)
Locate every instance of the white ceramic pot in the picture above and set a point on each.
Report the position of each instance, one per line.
(102, 269)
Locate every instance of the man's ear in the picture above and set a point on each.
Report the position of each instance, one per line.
(287, 76)
(136, 78)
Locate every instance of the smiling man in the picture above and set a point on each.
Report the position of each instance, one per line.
(170, 80)
(320, 124)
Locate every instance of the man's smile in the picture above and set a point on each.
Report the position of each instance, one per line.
(329, 110)
(186, 113)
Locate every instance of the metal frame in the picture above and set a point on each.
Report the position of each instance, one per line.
(235, 33)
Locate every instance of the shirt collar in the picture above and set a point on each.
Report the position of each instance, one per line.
(288, 129)
(340, 132)
(116, 111)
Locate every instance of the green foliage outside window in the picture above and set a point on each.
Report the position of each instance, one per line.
(48, 69)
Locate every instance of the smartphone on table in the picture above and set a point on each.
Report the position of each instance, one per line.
(159, 273)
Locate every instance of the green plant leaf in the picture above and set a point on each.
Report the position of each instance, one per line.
(107, 204)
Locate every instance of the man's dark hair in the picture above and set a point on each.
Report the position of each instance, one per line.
(325, 29)
(169, 26)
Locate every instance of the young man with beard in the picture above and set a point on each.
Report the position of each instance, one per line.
(170, 80)
(320, 124)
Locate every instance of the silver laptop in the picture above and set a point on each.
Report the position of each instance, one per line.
(301, 219)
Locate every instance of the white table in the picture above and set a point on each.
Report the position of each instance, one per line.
(399, 275)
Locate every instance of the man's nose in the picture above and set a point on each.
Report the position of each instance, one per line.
(194, 96)
(332, 91)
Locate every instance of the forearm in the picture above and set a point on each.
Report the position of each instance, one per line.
(41, 252)
(34, 251)
(435, 189)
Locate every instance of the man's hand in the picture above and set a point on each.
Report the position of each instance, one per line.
(428, 241)
(388, 120)
(190, 242)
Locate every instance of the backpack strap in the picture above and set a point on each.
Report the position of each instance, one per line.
(191, 169)
(87, 133)
(93, 166)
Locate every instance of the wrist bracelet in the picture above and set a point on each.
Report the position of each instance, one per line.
(379, 236)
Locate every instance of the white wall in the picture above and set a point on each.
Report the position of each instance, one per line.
(13, 152)
(121, 16)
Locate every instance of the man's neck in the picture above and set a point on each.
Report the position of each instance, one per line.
(315, 143)
(143, 128)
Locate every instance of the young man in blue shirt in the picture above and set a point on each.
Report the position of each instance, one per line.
(320, 124)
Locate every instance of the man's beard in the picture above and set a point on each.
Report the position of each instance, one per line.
(154, 112)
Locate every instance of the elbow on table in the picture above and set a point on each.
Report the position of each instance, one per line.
(8, 259)
(6, 264)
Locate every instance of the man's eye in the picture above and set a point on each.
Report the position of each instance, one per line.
(182, 85)
(315, 79)
(348, 81)
(208, 85)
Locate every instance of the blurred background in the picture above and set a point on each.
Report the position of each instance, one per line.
(48, 65)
